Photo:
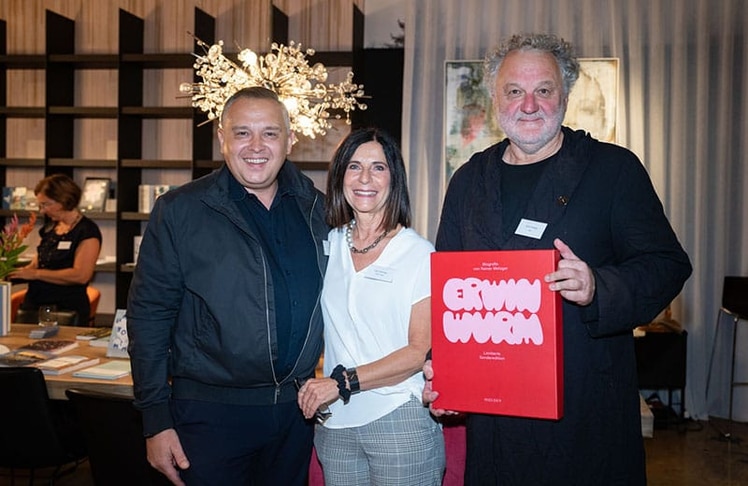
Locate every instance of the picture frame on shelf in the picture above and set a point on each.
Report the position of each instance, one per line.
(19, 198)
(95, 194)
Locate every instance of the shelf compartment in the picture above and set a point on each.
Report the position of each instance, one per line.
(22, 111)
(208, 164)
(127, 268)
(84, 111)
(109, 267)
(101, 215)
(23, 61)
(15, 162)
(159, 111)
(134, 216)
(86, 61)
(89, 163)
(156, 164)
(160, 61)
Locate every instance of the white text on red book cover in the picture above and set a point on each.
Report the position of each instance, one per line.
(503, 311)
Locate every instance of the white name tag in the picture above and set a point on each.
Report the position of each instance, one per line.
(64, 245)
(376, 272)
(530, 228)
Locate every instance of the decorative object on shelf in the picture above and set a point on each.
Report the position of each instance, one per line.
(148, 193)
(284, 70)
(23, 198)
(11, 243)
(95, 194)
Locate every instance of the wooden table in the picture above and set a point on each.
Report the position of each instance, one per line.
(56, 385)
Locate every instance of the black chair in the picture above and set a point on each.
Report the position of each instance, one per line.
(37, 432)
(114, 436)
(735, 305)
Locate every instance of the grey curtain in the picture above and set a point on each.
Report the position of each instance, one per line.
(683, 94)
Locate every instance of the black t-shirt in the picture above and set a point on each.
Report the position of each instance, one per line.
(517, 187)
(56, 252)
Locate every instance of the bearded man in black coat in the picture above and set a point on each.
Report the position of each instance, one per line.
(621, 264)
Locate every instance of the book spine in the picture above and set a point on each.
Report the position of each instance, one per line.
(146, 198)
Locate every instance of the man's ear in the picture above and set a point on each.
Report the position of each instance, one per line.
(291, 141)
(220, 134)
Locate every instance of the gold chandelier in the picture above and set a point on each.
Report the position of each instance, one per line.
(285, 70)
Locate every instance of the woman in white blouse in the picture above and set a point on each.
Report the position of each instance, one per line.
(376, 305)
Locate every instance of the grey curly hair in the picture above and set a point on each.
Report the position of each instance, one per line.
(560, 49)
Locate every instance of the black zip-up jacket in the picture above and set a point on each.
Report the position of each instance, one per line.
(200, 313)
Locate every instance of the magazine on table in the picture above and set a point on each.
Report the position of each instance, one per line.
(65, 364)
(111, 370)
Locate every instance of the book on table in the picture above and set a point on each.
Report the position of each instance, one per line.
(497, 339)
(65, 364)
(106, 371)
(102, 342)
(96, 333)
(42, 332)
(53, 346)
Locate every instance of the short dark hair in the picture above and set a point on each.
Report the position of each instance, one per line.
(257, 93)
(397, 206)
(60, 188)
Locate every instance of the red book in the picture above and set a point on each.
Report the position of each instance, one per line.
(497, 340)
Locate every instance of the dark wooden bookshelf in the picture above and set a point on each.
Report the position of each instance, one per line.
(61, 63)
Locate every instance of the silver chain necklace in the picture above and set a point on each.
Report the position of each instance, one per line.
(349, 239)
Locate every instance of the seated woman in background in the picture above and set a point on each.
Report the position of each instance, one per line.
(66, 255)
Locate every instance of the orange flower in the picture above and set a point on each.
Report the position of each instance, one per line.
(28, 227)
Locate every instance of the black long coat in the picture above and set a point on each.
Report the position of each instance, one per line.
(599, 200)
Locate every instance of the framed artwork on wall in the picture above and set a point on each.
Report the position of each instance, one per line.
(95, 193)
(470, 123)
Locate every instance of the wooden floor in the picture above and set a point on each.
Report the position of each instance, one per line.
(680, 454)
(689, 453)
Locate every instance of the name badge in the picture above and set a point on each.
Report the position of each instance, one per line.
(64, 245)
(376, 272)
(530, 228)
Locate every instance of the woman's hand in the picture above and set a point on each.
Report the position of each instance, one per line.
(80, 273)
(25, 273)
(317, 392)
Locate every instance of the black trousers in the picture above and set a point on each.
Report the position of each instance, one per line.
(244, 445)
